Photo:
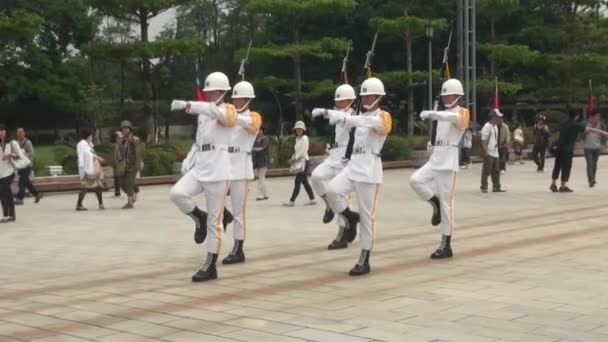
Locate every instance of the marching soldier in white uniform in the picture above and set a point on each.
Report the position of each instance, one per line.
(441, 169)
(211, 170)
(243, 136)
(363, 173)
(334, 163)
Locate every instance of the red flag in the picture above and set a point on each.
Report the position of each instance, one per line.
(496, 99)
(590, 101)
(200, 95)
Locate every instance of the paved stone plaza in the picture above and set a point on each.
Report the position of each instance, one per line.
(529, 265)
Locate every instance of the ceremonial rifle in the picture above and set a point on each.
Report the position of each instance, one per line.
(367, 73)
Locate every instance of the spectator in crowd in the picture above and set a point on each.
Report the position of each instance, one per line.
(129, 161)
(593, 146)
(24, 174)
(300, 166)
(519, 142)
(89, 170)
(116, 178)
(261, 162)
(541, 142)
(564, 149)
(504, 140)
(465, 150)
(7, 175)
(490, 154)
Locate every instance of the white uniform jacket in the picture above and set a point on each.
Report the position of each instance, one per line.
(338, 147)
(451, 124)
(365, 164)
(213, 139)
(243, 136)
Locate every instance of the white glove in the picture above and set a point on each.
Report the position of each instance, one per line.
(426, 114)
(336, 118)
(318, 112)
(429, 146)
(178, 105)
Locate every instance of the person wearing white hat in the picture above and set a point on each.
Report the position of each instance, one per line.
(344, 98)
(435, 181)
(363, 173)
(490, 151)
(241, 165)
(211, 169)
(299, 165)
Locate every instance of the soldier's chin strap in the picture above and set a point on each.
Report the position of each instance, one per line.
(345, 109)
(221, 99)
(366, 107)
(244, 107)
(453, 104)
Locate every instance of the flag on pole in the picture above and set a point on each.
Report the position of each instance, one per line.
(590, 100)
(200, 95)
(496, 98)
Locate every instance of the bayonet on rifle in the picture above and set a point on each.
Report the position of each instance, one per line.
(244, 61)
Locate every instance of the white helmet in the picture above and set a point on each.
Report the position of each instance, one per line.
(217, 81)
(452, 87)
(345, 92)
(372, 86)
(243, 90)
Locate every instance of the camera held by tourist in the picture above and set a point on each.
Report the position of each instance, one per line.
(490, 153)
(519, 142)
(25, 181)
(89, 170)
(594, 142)
(299, 165)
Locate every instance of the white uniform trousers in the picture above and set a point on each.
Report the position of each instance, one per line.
(445, 186)
(367, 199)
(239, 191)
(215, 197)
(320, 179)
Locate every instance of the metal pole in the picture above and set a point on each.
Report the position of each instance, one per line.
(430, 62)
(467, 50)
(474, 61)
(460, 38)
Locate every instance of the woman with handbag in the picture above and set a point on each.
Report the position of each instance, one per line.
(299, 166)
(7, 175)
(89, 170)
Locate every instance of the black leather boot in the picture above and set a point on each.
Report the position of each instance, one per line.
(208, 271)
(444, 250)
(436, 218)
(362, 267)
(237, 255)
(339, 242)
(328, 216)
(227, 219)
(352, 219)
(200, 223)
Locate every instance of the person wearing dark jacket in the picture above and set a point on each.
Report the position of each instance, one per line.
(261, 161)
(541, 142)
(564, 149)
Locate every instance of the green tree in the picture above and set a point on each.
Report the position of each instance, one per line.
(140, 12)
(408, 28)
(293, 13)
